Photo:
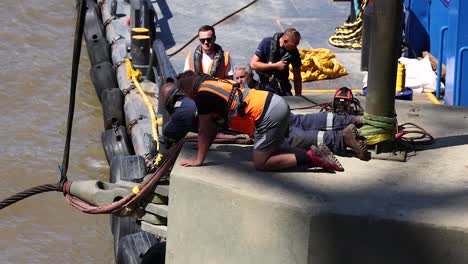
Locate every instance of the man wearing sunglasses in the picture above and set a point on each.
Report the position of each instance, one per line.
(272, 59)
(209, 58)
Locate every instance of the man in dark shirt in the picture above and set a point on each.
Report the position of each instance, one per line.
(271, 62)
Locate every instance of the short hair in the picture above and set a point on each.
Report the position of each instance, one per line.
(185, 79)
(293, 34)
(205, 28)
(243, 67)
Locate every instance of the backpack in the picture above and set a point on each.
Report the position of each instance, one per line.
(344, 103)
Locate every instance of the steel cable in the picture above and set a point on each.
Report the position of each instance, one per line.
(128, 202)
(30, 192)
(80, 20)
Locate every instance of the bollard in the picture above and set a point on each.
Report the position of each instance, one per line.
(140, 52)
(384, 52)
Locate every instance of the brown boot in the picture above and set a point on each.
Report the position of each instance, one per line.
(359, 121)
(350, 137)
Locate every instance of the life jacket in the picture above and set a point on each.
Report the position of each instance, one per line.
(274, 48)
(246, 107)
(218, 65)
(275, 80)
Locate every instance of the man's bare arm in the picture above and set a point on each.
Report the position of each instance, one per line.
(206, 133)
(258, 65)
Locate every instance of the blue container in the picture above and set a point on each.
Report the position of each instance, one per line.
(456, 84)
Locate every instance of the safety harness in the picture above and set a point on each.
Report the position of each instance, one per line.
(235, 98)
(240, 108)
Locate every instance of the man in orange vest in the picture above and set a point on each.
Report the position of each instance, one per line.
(219, 102)
(336, 131)
(209, 58)
(183, 118)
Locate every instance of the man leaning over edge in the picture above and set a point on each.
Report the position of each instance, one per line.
(270, 113)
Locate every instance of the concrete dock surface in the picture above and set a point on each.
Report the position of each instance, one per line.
(374, 212)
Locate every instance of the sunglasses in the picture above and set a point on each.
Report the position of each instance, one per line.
(202, 40)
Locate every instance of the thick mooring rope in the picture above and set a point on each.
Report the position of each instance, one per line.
(349, 35)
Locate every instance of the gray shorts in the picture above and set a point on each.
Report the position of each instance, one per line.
(271, 130)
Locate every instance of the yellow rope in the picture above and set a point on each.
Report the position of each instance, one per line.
(350, 34)
(135, 75)
(318, 64)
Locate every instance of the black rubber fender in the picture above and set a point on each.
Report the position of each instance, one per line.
(112, 100)
(92, 4)
(127, 168)
(132, 169)
(139, 248)
(103, 76)
(116, 142)
(95, 35)
(156, 254)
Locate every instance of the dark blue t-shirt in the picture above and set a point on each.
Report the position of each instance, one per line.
(182, 121)
(293, 57)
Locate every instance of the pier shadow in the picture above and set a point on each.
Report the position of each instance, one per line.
(378, 221)
(445, 142)
(347, 231)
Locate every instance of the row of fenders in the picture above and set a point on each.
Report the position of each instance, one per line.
(125, 166)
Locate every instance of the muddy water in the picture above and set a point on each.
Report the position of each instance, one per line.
(36, 41)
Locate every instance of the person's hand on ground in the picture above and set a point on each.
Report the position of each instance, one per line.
(190, 163)
(244, 139)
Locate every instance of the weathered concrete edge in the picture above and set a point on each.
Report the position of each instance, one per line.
(239, 227)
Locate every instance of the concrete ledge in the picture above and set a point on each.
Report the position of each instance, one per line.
(374, 212)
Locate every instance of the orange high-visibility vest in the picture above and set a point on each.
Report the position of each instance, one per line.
(254, 104)
(220, 72)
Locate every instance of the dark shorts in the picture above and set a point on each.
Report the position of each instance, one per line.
(272, 128)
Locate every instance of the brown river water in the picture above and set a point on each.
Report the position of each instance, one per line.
(36, 39)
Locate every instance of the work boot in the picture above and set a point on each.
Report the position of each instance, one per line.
(359, 121)
(351, 140)
(322, 156)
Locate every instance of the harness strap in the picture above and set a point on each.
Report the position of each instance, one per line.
(237, 100)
